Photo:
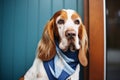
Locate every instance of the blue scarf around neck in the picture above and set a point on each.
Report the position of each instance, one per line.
(62, 65)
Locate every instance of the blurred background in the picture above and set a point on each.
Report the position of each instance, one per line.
(21, 27)
(113, 39)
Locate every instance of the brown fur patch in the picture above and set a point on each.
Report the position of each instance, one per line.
(75, 16)
(46, 47)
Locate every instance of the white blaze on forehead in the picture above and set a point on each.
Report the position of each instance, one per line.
(70, 12)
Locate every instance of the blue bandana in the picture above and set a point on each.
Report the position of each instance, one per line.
(62, 65)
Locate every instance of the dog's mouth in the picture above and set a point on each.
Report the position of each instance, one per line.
(70, 46)
(69, 43)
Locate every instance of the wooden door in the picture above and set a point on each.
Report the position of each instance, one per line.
(94, 21)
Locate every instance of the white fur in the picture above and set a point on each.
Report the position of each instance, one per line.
(69, 24)
(37, 71)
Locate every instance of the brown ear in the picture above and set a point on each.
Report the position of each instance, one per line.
(84, 45)
(46, 46)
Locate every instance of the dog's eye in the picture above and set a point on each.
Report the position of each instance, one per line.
(61, 21)
(77, 22)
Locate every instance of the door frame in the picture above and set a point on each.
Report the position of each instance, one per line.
(94, 20)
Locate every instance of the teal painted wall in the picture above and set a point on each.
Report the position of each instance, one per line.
(21, 27)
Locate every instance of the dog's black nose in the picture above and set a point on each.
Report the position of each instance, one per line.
(70, 34)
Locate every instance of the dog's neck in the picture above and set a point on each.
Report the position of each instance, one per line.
(68, 53)
(62, 65)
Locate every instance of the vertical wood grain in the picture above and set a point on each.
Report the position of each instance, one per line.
(57, 5)
(32, 26)
(20, 36)
(21, 26)
(7, 40)
(86, 23)
(96, 37)
(70, 4)
(1, 24)
(80, 8)
(45, 13)
(86, 15)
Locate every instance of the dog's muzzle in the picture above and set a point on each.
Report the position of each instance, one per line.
(70, 34)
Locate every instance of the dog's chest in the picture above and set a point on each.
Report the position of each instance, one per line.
(61, 66)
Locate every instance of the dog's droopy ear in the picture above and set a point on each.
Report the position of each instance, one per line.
(46, 46)
(84, 45)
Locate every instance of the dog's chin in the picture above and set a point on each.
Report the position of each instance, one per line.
(71, 47)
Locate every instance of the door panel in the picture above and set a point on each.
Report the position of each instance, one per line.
(21, 26)
(96, 35)
(94, 20)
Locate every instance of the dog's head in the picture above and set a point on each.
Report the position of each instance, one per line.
(65, 26)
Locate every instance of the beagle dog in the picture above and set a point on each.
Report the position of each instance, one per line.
(62, 48)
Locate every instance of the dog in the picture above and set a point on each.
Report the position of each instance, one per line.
(62, 48)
